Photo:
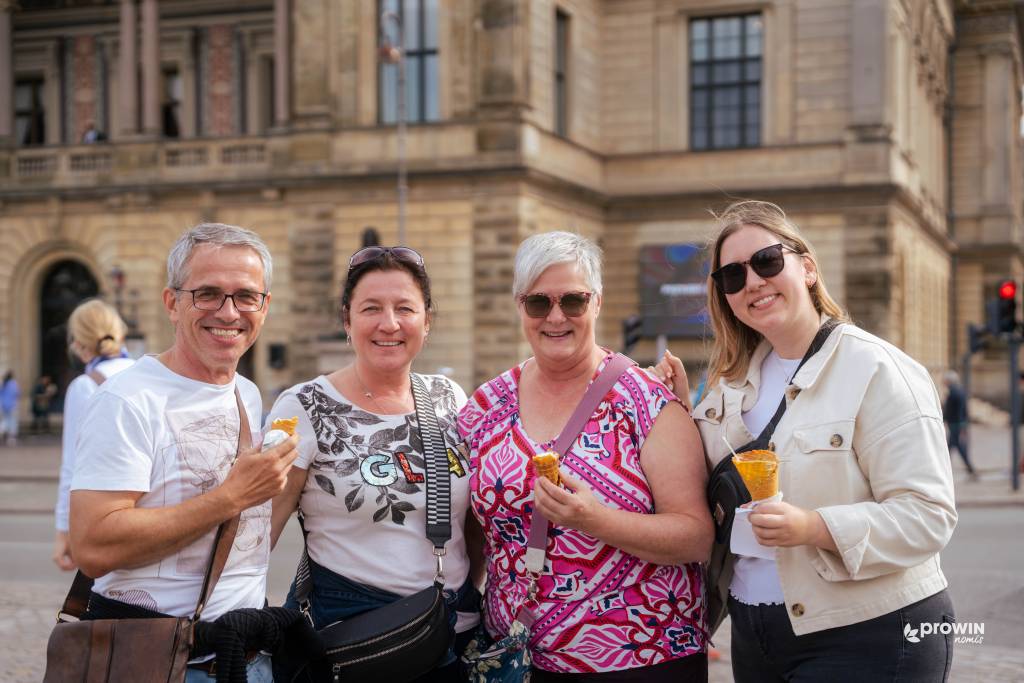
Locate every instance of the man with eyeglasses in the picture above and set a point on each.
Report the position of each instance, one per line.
(157, 474)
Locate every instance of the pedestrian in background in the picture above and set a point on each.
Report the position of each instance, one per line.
(9, 395)
(96, 337)
(43, 394)
(954, 414)
(853, 549)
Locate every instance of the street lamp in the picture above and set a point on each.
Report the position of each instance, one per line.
(395, 54)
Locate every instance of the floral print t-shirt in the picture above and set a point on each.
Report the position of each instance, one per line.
(598, 608)
(364, 502)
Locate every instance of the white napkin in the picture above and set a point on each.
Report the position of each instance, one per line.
(743, 542)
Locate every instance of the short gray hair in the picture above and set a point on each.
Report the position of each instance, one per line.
(218, 234)
(539, 252)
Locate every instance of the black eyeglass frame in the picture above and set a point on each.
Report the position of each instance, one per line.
(400, 253)
(553, 301)
(766, 268)
(224, 297)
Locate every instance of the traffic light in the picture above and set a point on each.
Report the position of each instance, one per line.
(1006, 308)
(631, 332)
(976, 337)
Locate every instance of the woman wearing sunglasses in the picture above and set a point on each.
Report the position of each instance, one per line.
(364, 501)
(619, 598)
(863, 469)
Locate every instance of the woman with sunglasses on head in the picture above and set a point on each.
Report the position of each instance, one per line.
(96, 338)
(619, 596)
(364, 504)
(867, 491)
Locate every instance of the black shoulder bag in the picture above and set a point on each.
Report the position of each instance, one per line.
(407, 638)
(726, 492)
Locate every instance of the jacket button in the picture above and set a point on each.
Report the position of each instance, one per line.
(797, 609)
(836, 441)
(771, 445)
(710, 413)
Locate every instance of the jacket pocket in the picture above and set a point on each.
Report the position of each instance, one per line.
(829, 439)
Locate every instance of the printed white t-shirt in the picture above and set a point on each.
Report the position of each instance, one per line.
(364, 503)
(755, 580)
(149, 429)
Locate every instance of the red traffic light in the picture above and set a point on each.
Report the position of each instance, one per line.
(1008, 290)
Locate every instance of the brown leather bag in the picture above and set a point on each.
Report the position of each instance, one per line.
(134, 650)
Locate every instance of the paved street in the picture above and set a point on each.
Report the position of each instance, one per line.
(982, 564)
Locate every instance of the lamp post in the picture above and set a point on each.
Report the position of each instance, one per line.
(395, 54)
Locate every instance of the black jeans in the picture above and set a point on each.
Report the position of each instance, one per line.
(956, 440)
(764, 647)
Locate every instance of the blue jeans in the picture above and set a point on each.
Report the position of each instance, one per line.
(765, 649)
(256, 671)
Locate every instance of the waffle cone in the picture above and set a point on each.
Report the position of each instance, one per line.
(760, 472)
(546, 465)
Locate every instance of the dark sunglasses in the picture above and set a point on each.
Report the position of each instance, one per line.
(573, 304)
(403, 254)
(767, 262)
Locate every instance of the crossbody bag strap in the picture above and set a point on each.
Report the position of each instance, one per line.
(537, 545)
(77, 601)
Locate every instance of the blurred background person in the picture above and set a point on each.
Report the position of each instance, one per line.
(9, 395)
(43, 394)
(630, 528)
(96, 337)
(954, 414)
(364, 507)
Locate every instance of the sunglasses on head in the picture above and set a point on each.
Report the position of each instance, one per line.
(767, 262)
(403, 254)
(573, 304)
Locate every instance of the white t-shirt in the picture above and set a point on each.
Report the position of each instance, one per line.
(755, 580)
(149, 429)
(364, 503)
(76, 399)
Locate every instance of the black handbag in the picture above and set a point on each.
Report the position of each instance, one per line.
(726, 492)
(407, 638)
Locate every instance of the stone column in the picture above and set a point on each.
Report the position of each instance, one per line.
(282, 62)
(6, 73)
(151, 68)
(128, 83)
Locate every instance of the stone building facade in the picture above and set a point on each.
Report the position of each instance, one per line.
(889, 130)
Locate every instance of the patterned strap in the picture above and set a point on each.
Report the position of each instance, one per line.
(435, 453)
(537, 546)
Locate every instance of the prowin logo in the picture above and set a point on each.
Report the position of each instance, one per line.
(966, 632)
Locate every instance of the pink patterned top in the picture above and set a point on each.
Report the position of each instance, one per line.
(598, 608)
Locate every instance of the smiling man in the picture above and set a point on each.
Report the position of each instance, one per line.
(156, 472)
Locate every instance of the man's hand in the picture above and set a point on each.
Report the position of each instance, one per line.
(576, 508)
(670, 370)
(62, 552)
(784, 525)
(257, 477)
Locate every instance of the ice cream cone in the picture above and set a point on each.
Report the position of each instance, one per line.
(760, 472)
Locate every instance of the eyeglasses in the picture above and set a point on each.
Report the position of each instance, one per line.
(209, 299)
(403, 254)
(767, 262)
(573, 304)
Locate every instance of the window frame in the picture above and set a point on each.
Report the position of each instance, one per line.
(561, 103)
(36, 111)
(709, 87)
(416, 61)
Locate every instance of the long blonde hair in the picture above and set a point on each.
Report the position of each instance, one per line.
(735, 342)
(97, 328)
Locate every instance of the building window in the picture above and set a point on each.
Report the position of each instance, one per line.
(29, 114)
(725, 82)
(419, 23)
(561, 73)
(171, 108)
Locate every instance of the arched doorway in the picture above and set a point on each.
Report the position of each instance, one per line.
(65, 284)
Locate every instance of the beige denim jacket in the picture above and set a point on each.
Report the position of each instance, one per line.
(862, 442)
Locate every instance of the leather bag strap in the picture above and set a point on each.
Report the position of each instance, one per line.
(537, 545)
(77, 600)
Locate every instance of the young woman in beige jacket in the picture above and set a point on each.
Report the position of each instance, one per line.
(853, 567)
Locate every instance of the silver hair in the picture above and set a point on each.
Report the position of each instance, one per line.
(218, 234)
(539, 252)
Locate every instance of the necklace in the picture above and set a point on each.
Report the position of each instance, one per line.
(369, 394)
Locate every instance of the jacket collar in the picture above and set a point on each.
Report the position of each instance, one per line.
(807, 375)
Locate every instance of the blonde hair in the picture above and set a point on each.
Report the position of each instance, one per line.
(97, 328)
(734, 342)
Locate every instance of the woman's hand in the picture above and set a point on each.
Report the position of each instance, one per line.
(670, 370)
(784, 525)
(576, 509)
(62, 552)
